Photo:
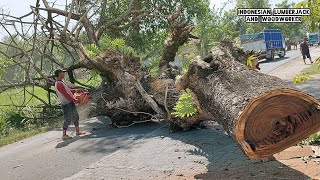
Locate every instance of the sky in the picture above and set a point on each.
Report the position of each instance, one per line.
(19, 8)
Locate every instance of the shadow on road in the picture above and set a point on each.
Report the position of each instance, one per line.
(226, 160)
(108, 140)
(67, 142)
(97, 123)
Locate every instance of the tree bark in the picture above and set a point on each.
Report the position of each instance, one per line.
(180, 33)
(263, 114)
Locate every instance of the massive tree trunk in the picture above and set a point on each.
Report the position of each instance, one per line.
(263, 114)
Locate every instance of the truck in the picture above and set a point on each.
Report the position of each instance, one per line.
(313, 38)
(269, 43)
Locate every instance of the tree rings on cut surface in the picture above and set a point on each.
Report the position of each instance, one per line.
(275, 121)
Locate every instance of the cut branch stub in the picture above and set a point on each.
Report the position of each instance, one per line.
(263, 114)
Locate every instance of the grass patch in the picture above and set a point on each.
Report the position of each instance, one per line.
(311, 70)
(17, 123)
(17, 135)
(16, 96)
(14, 122)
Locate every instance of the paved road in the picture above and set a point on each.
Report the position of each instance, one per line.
(268, 66)
(45, 156)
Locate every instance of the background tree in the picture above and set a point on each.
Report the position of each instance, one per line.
(111, 39)
(314, 19)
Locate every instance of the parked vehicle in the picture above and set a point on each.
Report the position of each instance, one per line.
(313, 38)
(269, 42)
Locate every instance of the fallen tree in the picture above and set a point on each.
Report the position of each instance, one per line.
(263, 114)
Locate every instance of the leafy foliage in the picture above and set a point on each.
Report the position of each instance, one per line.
(185, 106)
(313, 139)
(15, 119)
(93, 50)
(10, 120)
(209, 30)
(107, 43)
(250, 59)
(186, 62)
(314, 18)
(313, 69)
(299, 78)
(14, 127)
(307, 73)
(154, 66)
(3, 125)
(4, 63)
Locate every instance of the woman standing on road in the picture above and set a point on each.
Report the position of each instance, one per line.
(68, 104)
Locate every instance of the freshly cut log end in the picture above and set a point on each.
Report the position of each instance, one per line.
(263, 114)
(275, 121)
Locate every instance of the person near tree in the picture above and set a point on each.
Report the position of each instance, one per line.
(68, 104)
(304, 48)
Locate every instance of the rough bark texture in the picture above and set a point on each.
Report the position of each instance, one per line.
(180, 34)
(263, 114)
(131, 94)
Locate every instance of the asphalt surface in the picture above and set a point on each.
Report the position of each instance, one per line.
(45, 156)
(268, 66)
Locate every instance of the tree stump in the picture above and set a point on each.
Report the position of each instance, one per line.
(263, 114)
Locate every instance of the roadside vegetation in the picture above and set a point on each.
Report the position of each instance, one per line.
(306, 75)
(313, 69)
(22, 115)
(313, 140)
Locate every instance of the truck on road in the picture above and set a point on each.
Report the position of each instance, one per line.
(313, 38)
(269, 42)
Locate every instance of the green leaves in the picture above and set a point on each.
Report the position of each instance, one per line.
(299, 78)
(154, 66)
(186, 62)
(250, 59)
(93, 50)
(4, 63)
(313, 139)
(307, 73)
(107, 43)
(314, 19)
(185, 106)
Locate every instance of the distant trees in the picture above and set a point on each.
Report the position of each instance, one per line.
(232, 25)
(313, 21)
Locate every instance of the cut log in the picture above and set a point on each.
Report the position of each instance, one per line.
(263, 114)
